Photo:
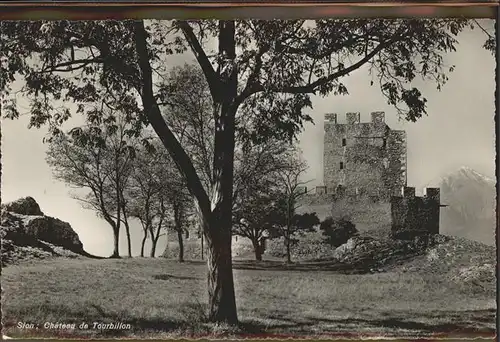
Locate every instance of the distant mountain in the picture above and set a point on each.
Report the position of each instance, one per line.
(471, 200)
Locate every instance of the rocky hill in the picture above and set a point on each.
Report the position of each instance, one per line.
(27, 233)
(471, 200)
(470, 265)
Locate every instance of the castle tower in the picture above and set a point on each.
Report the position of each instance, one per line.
(364, 158)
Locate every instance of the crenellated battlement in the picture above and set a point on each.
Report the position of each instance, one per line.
(432, 193)
(331, 118)
(352, 118)
(428, 193)
(415, 215)
(378, 117)
(408, 191)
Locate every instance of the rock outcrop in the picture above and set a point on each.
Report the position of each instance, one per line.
(382, 254)
(24, 206)
(27, 233)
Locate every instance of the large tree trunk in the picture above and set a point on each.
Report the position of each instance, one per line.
(215, 213)
(222, 302)
(217, 222)
(181, 244)
(217, 227)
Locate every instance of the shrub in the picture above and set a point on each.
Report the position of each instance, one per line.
(310, 247)
(337, 231)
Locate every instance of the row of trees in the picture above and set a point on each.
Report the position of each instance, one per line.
(260, 76)
(125, 180)
(132, 178)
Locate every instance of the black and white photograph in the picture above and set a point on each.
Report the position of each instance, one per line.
(323, 178)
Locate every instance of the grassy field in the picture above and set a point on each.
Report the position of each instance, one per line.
(162, 298)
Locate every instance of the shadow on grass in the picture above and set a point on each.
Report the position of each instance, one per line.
(313, 266)
(365, 264)
(169, 276)
(185, 262)
(470, 323)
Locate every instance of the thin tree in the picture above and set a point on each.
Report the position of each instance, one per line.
(123, 152)
(158, 195)
(99, 161)
(174, 198)
(256, 192)
(270, 67)
(253, 220)
(145, 197)
(159, 225)
(287, 222)
(180, 201)
(141, 192)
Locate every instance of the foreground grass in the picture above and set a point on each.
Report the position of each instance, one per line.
(161, 298)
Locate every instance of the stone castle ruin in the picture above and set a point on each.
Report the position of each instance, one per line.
(414, 216)
(368, 160)
(363, 159)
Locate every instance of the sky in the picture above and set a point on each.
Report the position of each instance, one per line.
(458, 131)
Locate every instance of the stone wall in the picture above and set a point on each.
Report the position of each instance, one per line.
(364, 158)
(396, 152)
(415, 216)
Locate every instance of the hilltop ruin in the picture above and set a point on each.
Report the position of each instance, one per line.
(367, 160)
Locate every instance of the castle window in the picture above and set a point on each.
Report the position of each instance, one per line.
(343, 142)
(384, 143)
(341, 165)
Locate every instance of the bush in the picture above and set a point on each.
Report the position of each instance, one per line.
(337, 231)
(310, 247)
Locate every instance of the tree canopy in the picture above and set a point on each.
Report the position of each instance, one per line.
(280, 63)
